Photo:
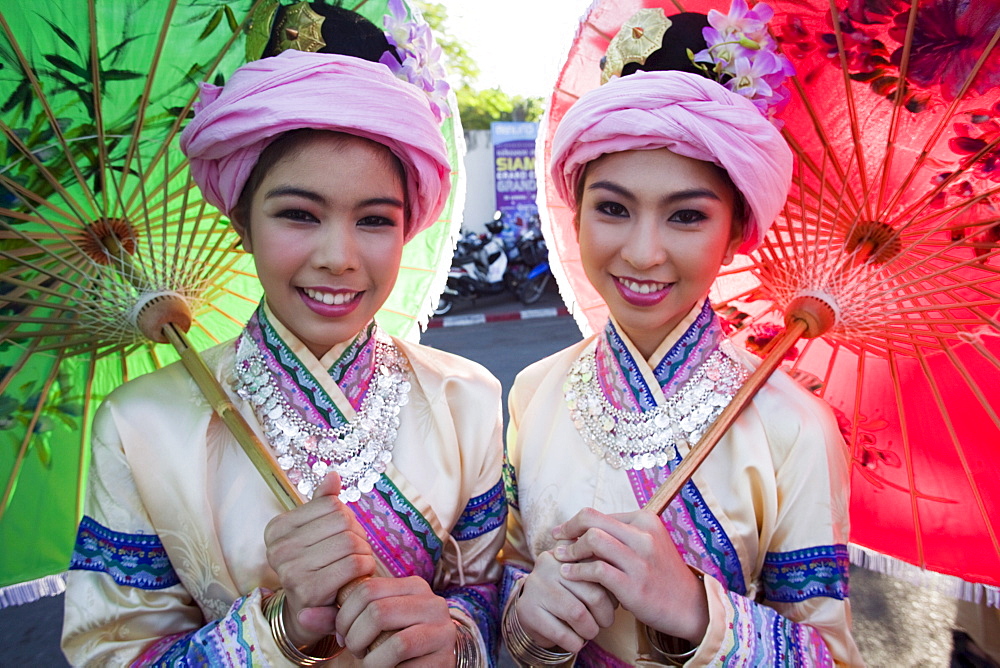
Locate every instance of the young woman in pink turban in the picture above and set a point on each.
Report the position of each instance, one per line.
(327, 165)
(670, 175)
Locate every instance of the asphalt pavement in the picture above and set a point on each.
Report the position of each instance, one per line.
(896, 624)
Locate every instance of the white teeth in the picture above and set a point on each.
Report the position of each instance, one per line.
(329, 298)
(643, 288)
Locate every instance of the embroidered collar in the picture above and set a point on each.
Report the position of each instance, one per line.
(343, 416)
(636, 417)
(673, 362)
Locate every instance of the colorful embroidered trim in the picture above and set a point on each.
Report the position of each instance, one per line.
(229, 641)
(301, 388)
(482, 604)
(621, 380)
(698, 534)
(360, 351)
(135, 560)
(399, 535)
(792, 577)
(482, 514)
(160, 649)
(510, 482)
(618, 370)
(691, 350)
(759, 636)
(511, 576)
(694, 528)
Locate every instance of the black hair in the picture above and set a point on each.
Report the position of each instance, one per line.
(684, 33)
(344, 31)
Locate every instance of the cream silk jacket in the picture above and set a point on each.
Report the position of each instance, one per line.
(170, 562)
(765, 516)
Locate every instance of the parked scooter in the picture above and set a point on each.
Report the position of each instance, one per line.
(509, 258)
(528, 269)
(478, 268)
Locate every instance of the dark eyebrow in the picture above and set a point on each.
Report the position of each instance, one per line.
(284, 191)
(672, 198)
(386, 201)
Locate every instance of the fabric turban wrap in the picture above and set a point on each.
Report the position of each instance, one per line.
(265, 98)
(689, 115)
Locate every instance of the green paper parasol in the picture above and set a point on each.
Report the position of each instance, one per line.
(93, 96)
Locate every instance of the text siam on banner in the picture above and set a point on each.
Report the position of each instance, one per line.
(514, 169)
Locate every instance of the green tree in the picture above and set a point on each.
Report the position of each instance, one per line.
(457, 59)
(477, 108)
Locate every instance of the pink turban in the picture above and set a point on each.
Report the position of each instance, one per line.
(689, 115)
(265, 98)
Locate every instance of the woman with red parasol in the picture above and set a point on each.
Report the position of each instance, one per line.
(327, 164)
(670, 174)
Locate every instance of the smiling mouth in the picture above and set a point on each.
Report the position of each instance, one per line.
(643, 288)
(330, 298)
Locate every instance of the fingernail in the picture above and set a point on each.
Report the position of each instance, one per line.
(340, 640)
(565, 569)
(561, 552)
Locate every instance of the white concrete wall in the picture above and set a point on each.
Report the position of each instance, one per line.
(480, 194)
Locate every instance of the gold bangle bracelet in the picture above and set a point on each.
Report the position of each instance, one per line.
(522, 648)
(273, 608)
(467, 652)
(669, 647)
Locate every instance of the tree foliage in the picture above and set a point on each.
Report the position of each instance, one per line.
(477, 108)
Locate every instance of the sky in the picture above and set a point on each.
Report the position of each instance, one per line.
(519, 45)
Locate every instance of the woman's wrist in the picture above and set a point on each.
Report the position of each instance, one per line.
(313, 654)
(296, 634)
(468, 653)
(700, 613)
(671, 650)
(521, 646)
(676, 650)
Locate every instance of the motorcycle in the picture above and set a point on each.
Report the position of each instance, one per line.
(479, 267)
(528, 273)
(501, 259)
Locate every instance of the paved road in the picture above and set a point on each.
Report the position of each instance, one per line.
(895, 623)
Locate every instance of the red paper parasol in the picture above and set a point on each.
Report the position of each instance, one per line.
(893, 216)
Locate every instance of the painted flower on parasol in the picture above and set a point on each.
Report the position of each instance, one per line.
(101, 226)
(891, 227)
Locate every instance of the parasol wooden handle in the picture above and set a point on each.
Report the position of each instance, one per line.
(165, 318)
(237, 424)
(260, 456)
(807, 317)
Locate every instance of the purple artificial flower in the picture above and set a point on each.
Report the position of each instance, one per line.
(419, 53)
(748, 80)
(741, 20)
(743, 56)
(396, 23)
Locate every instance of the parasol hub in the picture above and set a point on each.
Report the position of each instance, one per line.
(106, 239)
(155, 310)
(817, 310)
(874, 241)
